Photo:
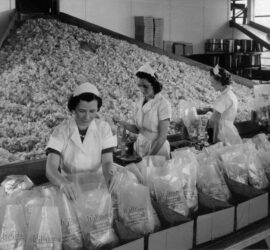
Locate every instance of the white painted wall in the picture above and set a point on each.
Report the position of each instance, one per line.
(192, 21)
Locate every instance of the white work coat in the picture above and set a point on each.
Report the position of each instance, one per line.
(227, 105)
(147, 118)
(77, 156)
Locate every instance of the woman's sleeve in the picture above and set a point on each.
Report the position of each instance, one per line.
(109, 140)
(164, 111)
(57, 140)
(221, 105)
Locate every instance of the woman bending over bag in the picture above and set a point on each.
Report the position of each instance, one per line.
(81, 146)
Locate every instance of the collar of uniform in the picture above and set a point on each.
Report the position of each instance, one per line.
(150, 103)
(75, 136)
(226, 90)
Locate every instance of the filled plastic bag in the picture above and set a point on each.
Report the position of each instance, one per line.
(187, 114)
(31, 199)
(95, 214)
(13, 183)
(71, 232)
(136, 215)
(12, 227)
(234, 162)
(44, 230)
(257, 176)
(167, 188)
(261, 141)
(185, 165)
(210, 180)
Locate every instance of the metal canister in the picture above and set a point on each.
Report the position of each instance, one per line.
(237, 45)
(249, 45)
(229, 45)
(243, 45)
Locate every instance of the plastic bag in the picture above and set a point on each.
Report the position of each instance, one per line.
(261, 142)
(44, 230)
(71, 232)
(188, 115)
(12, 227)
(257, 176)
(14, 183)
(186, 165)
(210, 180)
(95, 214)
(168, 188)
(234, 162)
(31, 199)
(136, 216)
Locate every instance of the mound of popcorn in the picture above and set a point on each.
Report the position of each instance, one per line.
(42, 62)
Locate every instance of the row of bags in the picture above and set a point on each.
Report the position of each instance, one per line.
(142, 198)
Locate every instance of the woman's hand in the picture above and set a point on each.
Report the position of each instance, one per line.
(69, 189)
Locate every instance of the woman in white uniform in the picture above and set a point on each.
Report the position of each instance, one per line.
(81, 147)
(224, 110)
(152, 116)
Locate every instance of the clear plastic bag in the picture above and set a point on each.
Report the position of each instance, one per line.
(168, 189)
(13, 183)
(187, 114)
(44, 230)
(13, 228)
(210, 180)
(234, 162)
(95, 214)
(136, 215)
(186, 166)
(257, 176)
(71, 232)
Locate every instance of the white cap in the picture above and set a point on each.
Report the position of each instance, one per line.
(86, 88)
(146, 68)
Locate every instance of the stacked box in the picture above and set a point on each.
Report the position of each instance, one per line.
(168, 46)
(182, 48)
(158, 32)
(178, 48)
(144, 29)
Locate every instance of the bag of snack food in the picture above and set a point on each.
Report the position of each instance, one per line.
(14, 183)
(168, 189)
(95, 214)
(71, 232)
(210, 179)
(44, 230)
(136, 215)
(185, 164)
(12, 227)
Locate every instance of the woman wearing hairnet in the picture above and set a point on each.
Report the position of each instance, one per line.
(81, 147)
(151, 117)
(221, 124)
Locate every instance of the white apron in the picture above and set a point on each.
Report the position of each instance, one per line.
(147, 118)
(227, 105)
(81, 161)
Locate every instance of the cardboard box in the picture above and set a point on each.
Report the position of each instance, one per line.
(133, 245)
(215, 219)
(251, 204)
(175, 238)
(168, 46)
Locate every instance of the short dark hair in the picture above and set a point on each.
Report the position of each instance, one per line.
(226, 78)
(156, 85)
(73, 101)
(223, 76)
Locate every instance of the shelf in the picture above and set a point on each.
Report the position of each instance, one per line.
(234, 53)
